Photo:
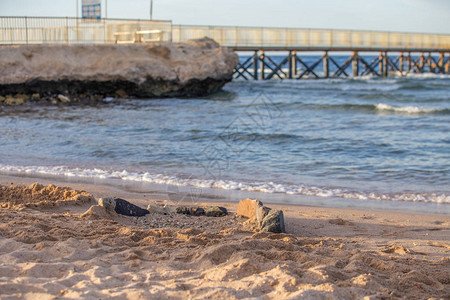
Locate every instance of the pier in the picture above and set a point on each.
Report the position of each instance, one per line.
(266, 53)
(285, 53)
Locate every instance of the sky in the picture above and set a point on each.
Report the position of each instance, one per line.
(430, 16)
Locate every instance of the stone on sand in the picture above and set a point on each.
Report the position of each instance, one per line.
(247, 208)
(158, 209)
(184, 210)
(215, 211)
(261, 213)
(273, 222)
(196, 211)
(122, 207)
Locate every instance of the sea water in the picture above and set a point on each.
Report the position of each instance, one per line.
(368, 142)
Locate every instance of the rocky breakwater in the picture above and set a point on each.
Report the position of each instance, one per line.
(71, 72)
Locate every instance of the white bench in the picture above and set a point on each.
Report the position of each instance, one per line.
(140, 36)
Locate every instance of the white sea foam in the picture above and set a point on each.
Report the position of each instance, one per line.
(264, 187)
(405, 109)
(371, 87)
(427, 76)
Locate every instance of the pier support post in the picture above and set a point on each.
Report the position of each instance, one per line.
(409, 62)
(292, 64)
(326, 66)
(401, 62)
(355, 64)
(261, 65)
(421, 62)
(447, 65)
(385, 65)
(429, 63)
(441, 62)
(380, 64)
(255, 65)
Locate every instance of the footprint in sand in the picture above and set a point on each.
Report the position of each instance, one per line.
(340, 221)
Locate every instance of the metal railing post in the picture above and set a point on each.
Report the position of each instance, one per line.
(67, 30)
(26, 29)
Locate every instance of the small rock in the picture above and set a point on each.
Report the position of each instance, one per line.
(53, 101)
(22, 97)
(247, 208)
(63, 98)
(108, 99)
(273, 222)
(121, 93)
(96, 98)
(197, 211)
(35, 97)
(215, 211)
(122, 207)
(183, 210)
(9, 100)
(261, 213)
(193, 211)
(162, 210)
(19, 101)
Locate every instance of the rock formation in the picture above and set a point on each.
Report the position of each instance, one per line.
(265, 218)
(193, 68)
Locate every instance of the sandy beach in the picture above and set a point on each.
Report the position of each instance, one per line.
(57, 243)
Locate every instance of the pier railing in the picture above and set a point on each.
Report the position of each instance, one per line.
(262, 38)
(29, 30)
(56, 30)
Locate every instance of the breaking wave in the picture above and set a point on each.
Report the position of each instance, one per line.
(263, 187)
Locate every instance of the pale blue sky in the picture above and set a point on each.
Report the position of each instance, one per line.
(391, 15)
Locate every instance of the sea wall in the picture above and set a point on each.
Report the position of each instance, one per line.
(193, 68)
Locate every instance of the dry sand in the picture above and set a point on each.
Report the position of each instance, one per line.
(56, 243)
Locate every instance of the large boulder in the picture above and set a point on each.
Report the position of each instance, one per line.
(193, 68)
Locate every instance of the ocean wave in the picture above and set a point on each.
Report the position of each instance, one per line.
(410, 109)
(263, 187)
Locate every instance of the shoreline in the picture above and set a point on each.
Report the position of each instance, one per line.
(164, 192)
(142, 199)
(78, 250)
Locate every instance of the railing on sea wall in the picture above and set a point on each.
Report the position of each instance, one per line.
(259, 38)
(55, 30)
(37, 30)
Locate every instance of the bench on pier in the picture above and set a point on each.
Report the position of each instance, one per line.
(140, 36)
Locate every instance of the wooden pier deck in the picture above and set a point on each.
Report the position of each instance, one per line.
(396, 53)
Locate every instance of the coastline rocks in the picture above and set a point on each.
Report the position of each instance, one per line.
(122, 207)
(193, 68)
(266, 219)
(63, 98)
